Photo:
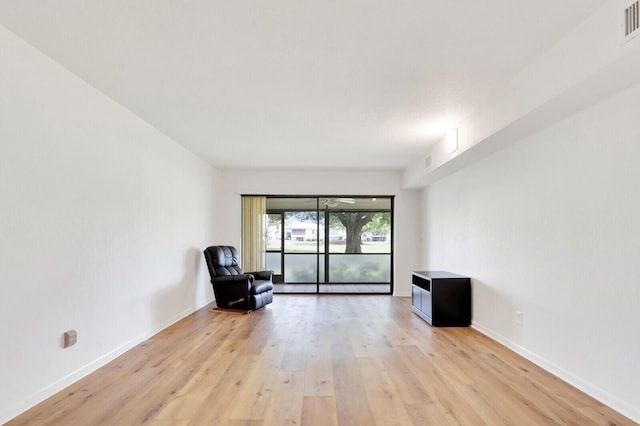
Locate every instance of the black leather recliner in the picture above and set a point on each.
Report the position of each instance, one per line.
(233, 288)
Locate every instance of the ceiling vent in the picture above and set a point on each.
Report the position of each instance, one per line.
(632, 20)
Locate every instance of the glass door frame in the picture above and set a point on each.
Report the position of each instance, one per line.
(324, 225)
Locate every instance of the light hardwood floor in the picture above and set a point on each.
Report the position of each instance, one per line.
(319, 360)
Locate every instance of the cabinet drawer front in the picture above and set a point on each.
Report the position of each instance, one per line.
(426, 304)
(416, 297)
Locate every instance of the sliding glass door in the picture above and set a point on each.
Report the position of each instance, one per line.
(365, 256)
(273, 259)
(302, 245)
(330, 244)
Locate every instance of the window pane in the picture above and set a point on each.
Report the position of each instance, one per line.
(300, 268)
(376, 235)
(273, 263)
(321, 233)
(321, 264)
(301, 232)
(359, 232)
(274, 232)
(337, 235)
(359, 268)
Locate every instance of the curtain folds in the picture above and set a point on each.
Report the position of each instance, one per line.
(254, 214)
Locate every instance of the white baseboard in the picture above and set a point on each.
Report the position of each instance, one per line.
(606, 398)
(50, 390)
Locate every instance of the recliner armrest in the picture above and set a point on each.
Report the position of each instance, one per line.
(262, 275)
(241, 277)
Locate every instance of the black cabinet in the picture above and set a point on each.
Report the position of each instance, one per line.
(441, 298)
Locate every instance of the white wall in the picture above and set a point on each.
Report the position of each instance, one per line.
(407, 204)
(102, 223)
(550, 226)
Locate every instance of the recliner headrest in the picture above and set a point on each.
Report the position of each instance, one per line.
(222, 260)
(225, 256)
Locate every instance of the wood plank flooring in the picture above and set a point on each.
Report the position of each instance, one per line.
(319, 360)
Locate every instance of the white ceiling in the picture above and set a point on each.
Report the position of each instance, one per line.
(365, 84)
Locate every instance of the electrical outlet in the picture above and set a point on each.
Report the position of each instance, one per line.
(70, 338)
(518, 317)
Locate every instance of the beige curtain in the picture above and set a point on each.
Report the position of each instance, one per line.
(254, 216)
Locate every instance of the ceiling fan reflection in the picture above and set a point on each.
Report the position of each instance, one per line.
(333, 202)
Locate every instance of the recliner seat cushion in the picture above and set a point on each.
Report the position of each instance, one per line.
(260, 286)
